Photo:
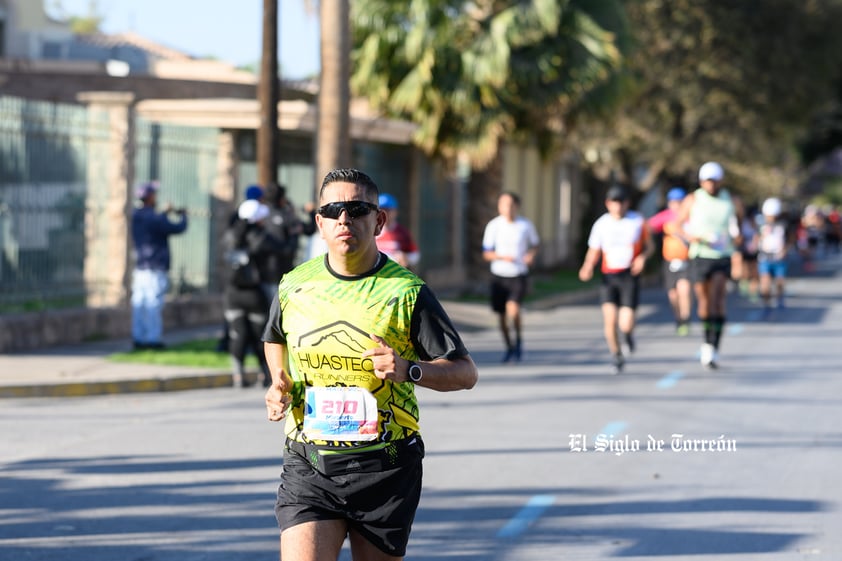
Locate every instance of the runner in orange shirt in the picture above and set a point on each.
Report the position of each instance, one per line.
(676, 261)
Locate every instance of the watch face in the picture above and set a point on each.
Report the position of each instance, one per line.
(415, 373)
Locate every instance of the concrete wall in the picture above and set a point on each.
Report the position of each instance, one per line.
(50, 328)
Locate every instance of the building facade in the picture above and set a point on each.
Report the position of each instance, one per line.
(83, 120)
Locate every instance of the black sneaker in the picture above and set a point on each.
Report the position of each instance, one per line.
(617, 365)
(510, 354)
(628, 344)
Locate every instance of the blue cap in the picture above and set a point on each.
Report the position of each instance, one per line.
(676, 194)
(387, 201)
(145, 189)
(254, 192)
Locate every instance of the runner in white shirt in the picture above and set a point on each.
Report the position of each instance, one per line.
(509, 243)
(621, 239)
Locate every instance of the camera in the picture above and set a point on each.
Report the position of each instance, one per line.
(175, 209)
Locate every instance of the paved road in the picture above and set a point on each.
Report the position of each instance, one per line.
(191, 475)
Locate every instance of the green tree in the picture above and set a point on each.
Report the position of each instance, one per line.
(473, 74)
(731, 81)
(825, 132)
(85, 25)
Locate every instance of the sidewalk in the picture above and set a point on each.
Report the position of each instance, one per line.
(84, 369)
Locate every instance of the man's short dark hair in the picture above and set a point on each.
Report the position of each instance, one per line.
(617, 193)
(350, 175)
(514, 196)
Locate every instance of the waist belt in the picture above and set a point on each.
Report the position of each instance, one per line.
(376, 457)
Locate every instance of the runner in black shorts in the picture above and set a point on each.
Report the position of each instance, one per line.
(620, 240)
(621, 289)
(674, 251)
(708, 218)
(509, 243)
(350, 335)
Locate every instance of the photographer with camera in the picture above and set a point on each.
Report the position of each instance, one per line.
(150, 232)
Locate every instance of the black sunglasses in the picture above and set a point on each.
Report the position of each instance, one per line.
(355, 209)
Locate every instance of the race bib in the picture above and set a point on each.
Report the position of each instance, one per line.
(340, 413)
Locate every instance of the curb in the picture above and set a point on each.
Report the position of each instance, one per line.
(466, 316)
(150, 385)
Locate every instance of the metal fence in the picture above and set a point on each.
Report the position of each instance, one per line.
(184, 160)
(43, 181)
(55, 193)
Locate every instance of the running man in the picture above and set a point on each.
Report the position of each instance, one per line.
(674, 250)
(509, 243)
(773, 246)
(709, 220)
(350, 336)
(621, 239)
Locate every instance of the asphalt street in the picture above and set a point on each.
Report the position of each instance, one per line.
(552, 458)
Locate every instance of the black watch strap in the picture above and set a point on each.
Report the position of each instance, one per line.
(414, 372)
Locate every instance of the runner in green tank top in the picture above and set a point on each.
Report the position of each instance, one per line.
(709, 222)
(349, 338)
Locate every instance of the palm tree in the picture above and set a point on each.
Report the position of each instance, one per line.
(333, 147)
(471, 75)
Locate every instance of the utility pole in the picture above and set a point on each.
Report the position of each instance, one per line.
(268, 94)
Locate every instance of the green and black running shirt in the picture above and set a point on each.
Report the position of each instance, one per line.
(325, 320)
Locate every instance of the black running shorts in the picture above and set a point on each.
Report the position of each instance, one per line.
(378, 505)
(703, 268)
(505, 289)
(675, 271)
(621, 289)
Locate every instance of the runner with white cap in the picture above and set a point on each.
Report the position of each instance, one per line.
(771, 258)
(709, 221)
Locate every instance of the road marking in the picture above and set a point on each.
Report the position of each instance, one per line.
(526, 516)
(670, 379)
(735, 329)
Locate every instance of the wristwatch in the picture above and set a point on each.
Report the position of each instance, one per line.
(414, 372)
